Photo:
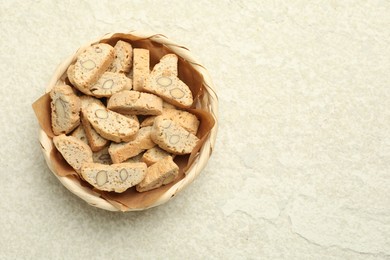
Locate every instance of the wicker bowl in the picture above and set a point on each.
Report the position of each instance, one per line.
(206, 102)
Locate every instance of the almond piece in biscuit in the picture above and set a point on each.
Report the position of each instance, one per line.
(114, 177)
(163, 81)
(110, 83)
(141, 61)
(161, 173)
(90, 65)
(74, 151)
(109, 124)
(122, 151)
(95, 141)
(171, 137)
(154, 154)
(123, 60)
(65, 109)
(132, 102)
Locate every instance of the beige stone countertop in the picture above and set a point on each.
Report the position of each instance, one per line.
(301, 167)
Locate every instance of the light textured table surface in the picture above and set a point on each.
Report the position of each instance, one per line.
(301, 168)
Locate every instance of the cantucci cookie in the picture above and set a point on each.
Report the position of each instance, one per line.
(65, 109)
(95, 141)
(122, 151)
(153, 155)
(132, 117)
(141, 70)
(135, 103)
(185, 119)
(167, 105)
(114, 177)
(86, 100)
(109, 124)
(172, 137)
(74, 151)
(161, 173)
(90, 65)
(123, 60)
(148, 121)
(80, 134)
(137, 158)
(163, 81)
(167, 64)
(102, 156)
(110, 83)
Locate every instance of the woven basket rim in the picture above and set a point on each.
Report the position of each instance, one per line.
(203, 155)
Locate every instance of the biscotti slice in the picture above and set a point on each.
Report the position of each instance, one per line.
(111, 125)
(80, 134)
(90, 65)
(65, 109)
(141, 70)
(153, 155)
(161, 173)
(110, 83)
(122, 151)
(148, 121)
(123, 57)
(134, 159)
(132, 117)
(163, 81)
(172, 137)
(86, 100)
(95, 141)
(114, 177)
(185, 119)
(132, 102)
(167, 64)
(74, 151)
(167, 105)
(102, 156)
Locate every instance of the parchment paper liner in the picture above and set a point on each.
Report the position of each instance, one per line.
(205, 107)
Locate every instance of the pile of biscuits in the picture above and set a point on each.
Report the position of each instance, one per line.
(118, 124)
